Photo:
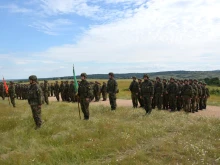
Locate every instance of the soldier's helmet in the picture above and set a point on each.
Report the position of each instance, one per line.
(33, 78)
(145, 75)
(111, 74)
(83, 75)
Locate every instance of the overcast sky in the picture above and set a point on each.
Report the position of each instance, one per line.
(46, 37)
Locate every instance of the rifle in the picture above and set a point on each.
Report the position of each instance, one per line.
(79, 107)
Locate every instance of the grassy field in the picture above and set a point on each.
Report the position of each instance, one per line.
(121, 137)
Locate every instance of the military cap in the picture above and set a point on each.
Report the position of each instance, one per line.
(195, 80)
(45, 81)
(111, 74)
(134, 77)
(186, 80)
(190, 80)
(145, 75)
(83, 75)
(33, 78)
(171, 78)
(158, 78)
(204, 83)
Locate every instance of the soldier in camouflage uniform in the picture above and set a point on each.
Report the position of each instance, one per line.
(2, 91)
(46, 92)
(112, 90)
(179, 100)
(158, 92)
(104, 91)
(147, 93)
(165, 95)
(35, 100)
(187, 93)
(84, 93)
(134, 88)
(202, 106)
(97, 91)
(66, 91)
(140, 100)
(207, 95)
(62, 90)
(11, 92)
(51, 89)
(72, 92)
(57, 91)
(194, 96)
(172, 91)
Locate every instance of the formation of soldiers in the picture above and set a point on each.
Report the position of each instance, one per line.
(174, 95)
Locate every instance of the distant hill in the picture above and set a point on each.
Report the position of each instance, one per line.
(200, 75)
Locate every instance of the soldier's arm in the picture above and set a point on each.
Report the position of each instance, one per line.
(116, 86)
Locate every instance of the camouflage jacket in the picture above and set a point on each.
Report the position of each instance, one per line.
(172, 88)
(11, 91)
(134, 87)
(97, 88)
(112, 86)
(104, 88)
(84, 90)
(147, 88)
(187, 90)
(57, 88)
(35, 95)
(158, 88)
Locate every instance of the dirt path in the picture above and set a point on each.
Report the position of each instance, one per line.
(211, 111)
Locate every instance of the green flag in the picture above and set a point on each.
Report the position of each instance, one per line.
(75, 81)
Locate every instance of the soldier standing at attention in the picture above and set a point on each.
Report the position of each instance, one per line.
(46, 92)
(194, 96)
(165, 95)
(11, 92)
(172, 91)
(139, 93)
(84, 93)
(51, 90)
(62, 90)
(207, 95)
(104, 91)
(147, 93)
(57, 91)
(34, 100)
(97, 91)
(112, 89)
(158, 90)
(134, 88)
(187, 93)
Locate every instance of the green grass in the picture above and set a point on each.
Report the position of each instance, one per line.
(121, 137)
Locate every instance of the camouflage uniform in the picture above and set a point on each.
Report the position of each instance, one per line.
(134, 88)
(51, 89)
(172, 91)
(62, 90)
(72, 92)
(187, 93)
(207, 95)
(35, 100)
(46, 92)
(158, 92)
(147, 93)
(97, 91)
(165, 95)
(12, 94)
(112, 89)
(104, 91)
(66, 91)
(194, 96)
(179, 100)
(2, 91)
(57, 91)
(140, 100)
(84, 92)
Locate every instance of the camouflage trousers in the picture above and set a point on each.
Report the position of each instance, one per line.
(193, 104)
(201, 103)
(104, 95)
(147, 104)
(186, 103)
(72, 97)
(36, 112)
(134, 98)
(140, 100)
(57, 95)
(51, 93)
(172, 102)
(12, 100)
(112, 100)
(158, 100)
(165, 101)
(85, 107)
(97, 96)
(46, 98)
(179, 103)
